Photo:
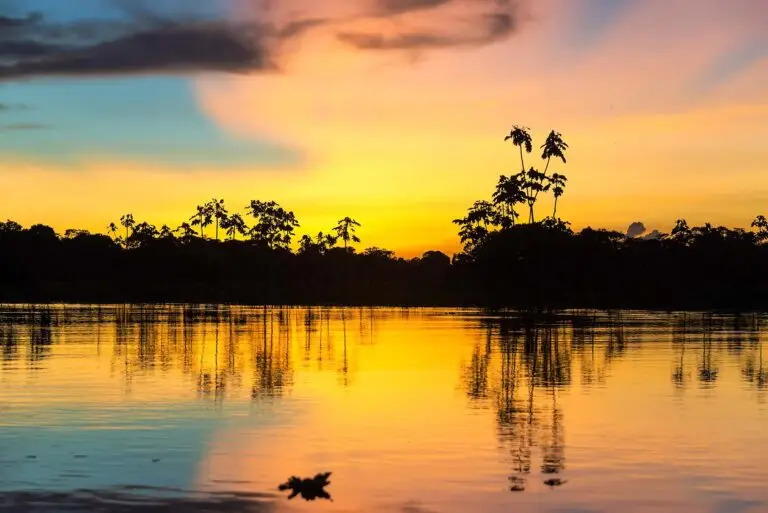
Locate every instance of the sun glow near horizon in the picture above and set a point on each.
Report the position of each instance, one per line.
(404, 142)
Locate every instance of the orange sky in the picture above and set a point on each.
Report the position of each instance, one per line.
(664, 107)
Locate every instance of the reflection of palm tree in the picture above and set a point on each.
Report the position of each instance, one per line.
(755, 373)
(707, 370)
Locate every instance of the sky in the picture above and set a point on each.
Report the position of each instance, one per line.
(392, 112)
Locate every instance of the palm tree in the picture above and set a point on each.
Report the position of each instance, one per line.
(521, 137)
(112, 230)
(202, 218)
(558, 187)
(345, 231)
(233, 225)
(128, 222)
(219, 213)
(554, 146)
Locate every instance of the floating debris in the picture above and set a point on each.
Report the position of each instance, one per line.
(309, 489)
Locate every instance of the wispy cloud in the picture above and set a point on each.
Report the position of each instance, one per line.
(12, 127)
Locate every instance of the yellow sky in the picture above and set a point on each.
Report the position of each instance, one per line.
(664, 108)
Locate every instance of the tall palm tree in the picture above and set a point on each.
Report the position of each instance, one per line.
(521, 137)
(558, 187)
(128, 222)
(219, 213)
(345, 231)
(202, 218)
(554, 146)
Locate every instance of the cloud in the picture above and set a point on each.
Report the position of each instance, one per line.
(635, 229)
(395, 7)
(194, 46)
(5, 107)
(479, 23)
(23, 126)
(148, 42)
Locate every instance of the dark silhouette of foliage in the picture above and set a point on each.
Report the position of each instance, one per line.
(345, 230)
(274, 226)
(218, 212)
(309, 488)
(202, 217)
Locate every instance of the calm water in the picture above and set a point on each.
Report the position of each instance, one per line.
(413, 411)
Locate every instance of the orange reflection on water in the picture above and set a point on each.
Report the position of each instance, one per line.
(420, 409)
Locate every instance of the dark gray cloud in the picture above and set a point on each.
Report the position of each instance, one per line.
(213, 46)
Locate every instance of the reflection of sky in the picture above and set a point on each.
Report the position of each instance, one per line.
(120, 445)
(400, 428)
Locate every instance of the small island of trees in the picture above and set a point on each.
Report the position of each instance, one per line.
(513, 256)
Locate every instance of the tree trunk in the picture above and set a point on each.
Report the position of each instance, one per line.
(554, 212)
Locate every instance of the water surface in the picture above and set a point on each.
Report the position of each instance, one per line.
(413, 410)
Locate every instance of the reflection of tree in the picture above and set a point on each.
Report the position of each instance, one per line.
(41, 339)
(679, 334)
(525, 362)
(707, 370)
(754, 371)
(273, 363)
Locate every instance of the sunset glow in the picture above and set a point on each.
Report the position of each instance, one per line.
(662, 103)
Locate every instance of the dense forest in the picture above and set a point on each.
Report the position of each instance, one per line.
(254, 257)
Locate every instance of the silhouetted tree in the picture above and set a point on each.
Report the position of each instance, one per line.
(480, 220)
(165, 232)
(521, 137)
(345, 230)
(761, 225)
(10, 227)
(234, 224)
(186, 231)
(509, 192)
(112, 230)
(128, 222)
(219, 213)
(202, 217)
(274, 225)
(558, 187)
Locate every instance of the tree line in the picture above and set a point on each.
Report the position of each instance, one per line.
(505, 261)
